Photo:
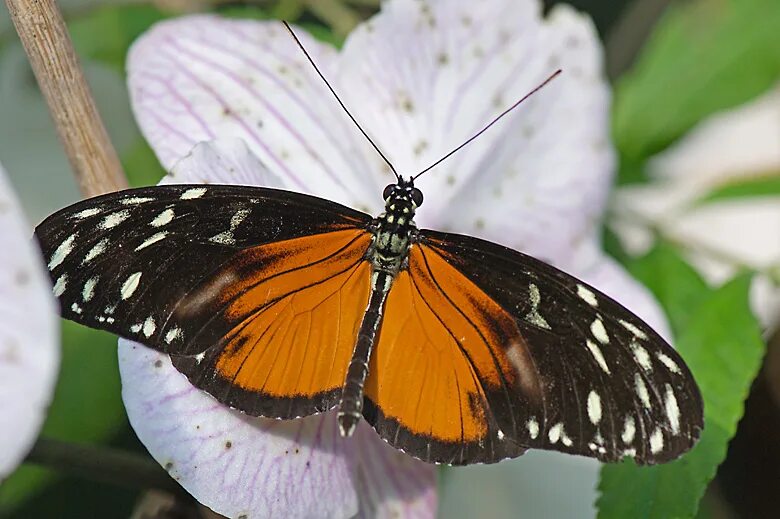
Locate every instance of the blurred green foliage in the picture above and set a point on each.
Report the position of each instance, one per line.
(704, 56)
(763, 185)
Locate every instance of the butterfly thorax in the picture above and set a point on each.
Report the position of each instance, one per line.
(393, 232)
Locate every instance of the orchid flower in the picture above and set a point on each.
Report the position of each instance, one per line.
(29, 335)
(232, 101)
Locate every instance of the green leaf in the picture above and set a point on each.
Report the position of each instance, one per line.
(141, 165)
(764, 185)
(704, 56)
(722, 345)
(105, 33)
(87, 405)
(676, 285)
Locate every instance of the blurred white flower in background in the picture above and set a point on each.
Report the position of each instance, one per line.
(29, 334)
(700, 197)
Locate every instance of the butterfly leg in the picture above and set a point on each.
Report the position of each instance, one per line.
(351, 404)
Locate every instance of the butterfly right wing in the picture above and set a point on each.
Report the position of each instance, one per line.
(232, 281)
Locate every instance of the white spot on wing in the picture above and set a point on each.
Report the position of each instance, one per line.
(195, 192)
(598, 331)
(163, 218)
(130, 284)
(629, 430)
(594, 407)
(587, 295)
(61, 252)
(226, 237)
(97, 250)
(89, 289)
(642, 357)
(60, 285)
(656, 441)
(500, 434)
(75, 308)
(133, 200)
(639, 334)
(596, 352)
(86, 213)
(149, 326)
(641, 390)
(114, 219)
(152, 239)
(533, 428)
(554, 433)
(173, 334)
(534, 317)
(136, 327)
(668, 362)
(672, 409)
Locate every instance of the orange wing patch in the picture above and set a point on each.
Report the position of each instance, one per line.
(444, 349)
(297, 314)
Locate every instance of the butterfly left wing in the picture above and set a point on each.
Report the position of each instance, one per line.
(203, 272)
(504, 352)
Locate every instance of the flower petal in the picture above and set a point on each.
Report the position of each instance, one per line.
(234, 464)
(390, 483)
(29, 335)
(201, 77)
(426, 76)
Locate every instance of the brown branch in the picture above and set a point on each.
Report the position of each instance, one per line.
(46, 40)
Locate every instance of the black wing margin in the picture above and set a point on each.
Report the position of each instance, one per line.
(611, 386)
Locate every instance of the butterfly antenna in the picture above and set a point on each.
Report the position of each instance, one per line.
(392, 168)
(491, 123)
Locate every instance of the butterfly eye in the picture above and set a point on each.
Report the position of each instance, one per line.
(417, 197)
(388, 191)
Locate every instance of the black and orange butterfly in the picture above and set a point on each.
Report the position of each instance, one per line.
(456, 350)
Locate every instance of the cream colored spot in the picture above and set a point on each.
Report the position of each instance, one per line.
(642, 357)
(641, 390)
(656, 441)
(629, 430)
(195, 192)
(533, 428)
(587, 295)
(114, 219)
(672, 409)
(554, 434)
(639, 334)
(594, 407)
(149, 326)
(86, 213)
(598, 331)
(130, 285)
(89, 289)
(163, 218)
(668, 362)
(152, 239)
(596, 352)
(61, 252)
(60, 285)
(173, 334)
(97, 250)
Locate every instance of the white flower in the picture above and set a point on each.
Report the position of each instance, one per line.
(723, 235)
(421, 78)
(29, 335)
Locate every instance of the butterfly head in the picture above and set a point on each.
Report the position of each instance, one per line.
(402, 194)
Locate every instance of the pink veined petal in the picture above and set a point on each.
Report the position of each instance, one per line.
(234, 464)
(29, 335)
(201, 77)
(426, 76)
(389, 483)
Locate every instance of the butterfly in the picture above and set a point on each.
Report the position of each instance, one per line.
(454, 349)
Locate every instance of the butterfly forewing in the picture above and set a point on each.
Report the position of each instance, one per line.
(193, 270)
(586, 376)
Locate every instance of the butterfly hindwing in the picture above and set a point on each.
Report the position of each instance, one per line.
(579, 372)
(197, 270)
